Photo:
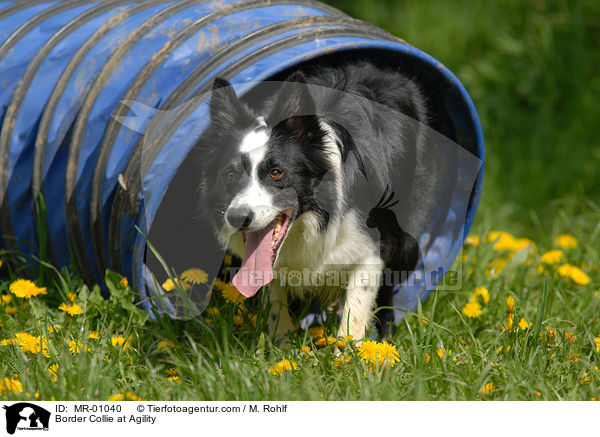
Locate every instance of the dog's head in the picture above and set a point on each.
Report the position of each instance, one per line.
(260, 171)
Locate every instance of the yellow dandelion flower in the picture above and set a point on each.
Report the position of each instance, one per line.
(195, 276)
(552, 256)
(24, 288)
(427, 358)
(579, 276)
(388, 353)
(472, 240)
(483, 292)
(75, 346)
(211, 311)
(325, 341)
(169, 285)
(502, 240)
(488, 389)
(510, 304)
(29, 343)
(537, 393)
(282, 367)
(119, 341)
(124, 283)
(53, 328)
(340, 361)
(220, 285)
(11, 384)
(231, 294)
(165, 346)
(565, 270)
(368, 351)
(574, 273)
(53, 371)
(425, 321)
(565, 241)
(522, 243)
(495, 267)
(570, 337)
(317, 331)
(72, 297)
(10, 310)
(586, 378)
(8, 341)
(174, 379)
(132, 397)
(597, 343)
(551, 333)
(71, 309)
(116, 397)
(509, 322)
(341, 343)
(7, 299)
(472, 309)
(305, 350)
(94, 335)
(442, 352)
(252, 318)
(523, 324)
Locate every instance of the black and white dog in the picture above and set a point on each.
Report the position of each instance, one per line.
(306, 182)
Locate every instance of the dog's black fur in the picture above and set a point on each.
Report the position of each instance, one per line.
(377, 118)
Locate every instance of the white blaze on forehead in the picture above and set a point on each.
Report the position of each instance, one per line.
(255, 196)
(254, 140)
(254, 146)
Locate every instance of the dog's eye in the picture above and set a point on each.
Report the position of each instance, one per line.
(230, 176)
(275, 173)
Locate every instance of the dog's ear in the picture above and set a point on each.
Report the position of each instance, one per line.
(294, 108)
(226, 110)
(293, 98)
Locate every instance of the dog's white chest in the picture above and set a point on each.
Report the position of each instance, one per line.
(312, 260)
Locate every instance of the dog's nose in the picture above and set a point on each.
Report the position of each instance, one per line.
(240, 218)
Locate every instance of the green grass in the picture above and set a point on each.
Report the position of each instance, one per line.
(531, 68)
(215, 360)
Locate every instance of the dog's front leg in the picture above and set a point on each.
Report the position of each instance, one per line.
(280, 321)
(361, 293)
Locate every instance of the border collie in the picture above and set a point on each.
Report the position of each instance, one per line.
(304, 184)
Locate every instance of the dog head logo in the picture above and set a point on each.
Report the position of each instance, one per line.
(26, 416)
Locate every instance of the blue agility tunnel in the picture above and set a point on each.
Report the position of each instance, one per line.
(83, 83)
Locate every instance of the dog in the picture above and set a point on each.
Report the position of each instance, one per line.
(291, 185)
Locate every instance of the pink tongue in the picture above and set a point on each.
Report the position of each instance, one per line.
(256, 270)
